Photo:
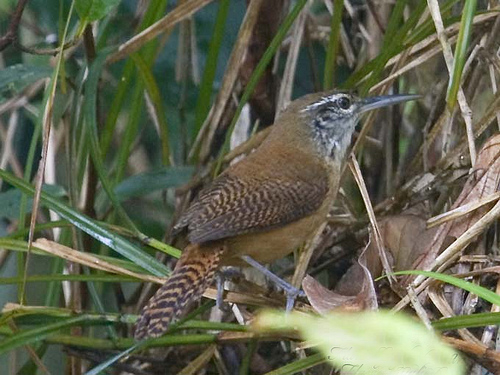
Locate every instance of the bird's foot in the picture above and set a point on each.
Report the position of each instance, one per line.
(220, 278)
(291, 292)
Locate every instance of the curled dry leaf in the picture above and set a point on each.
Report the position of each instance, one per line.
(482, 182)
(354, 292)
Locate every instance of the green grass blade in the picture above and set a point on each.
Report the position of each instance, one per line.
(427, 28)
(31, 336)
(478, 290)
(89, 226)
(97, 277)
(333, 45)
(460, 51)
(207, 80)
(154, 94)
(299, 365)
(392, 46)
(114, 110)
(39, 227)
(467, 321)
(89, 108)
(259, 70)
(155, 10)
(106, 364)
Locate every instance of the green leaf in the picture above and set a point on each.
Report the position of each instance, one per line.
(369, 342)
(93, 10)
(92, 228)
(10, 200)
(145, 183)
(15, 78)
(10, 204)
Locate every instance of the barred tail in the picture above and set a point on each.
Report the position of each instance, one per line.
(193, 274)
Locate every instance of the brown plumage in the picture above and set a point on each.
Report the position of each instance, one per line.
(265, 206)
(184, 285)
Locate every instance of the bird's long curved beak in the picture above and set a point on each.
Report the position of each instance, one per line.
(368, 104)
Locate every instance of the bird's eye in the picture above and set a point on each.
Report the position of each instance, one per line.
(344, 102)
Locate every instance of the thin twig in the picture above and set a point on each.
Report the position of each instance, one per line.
(11, 34)
(180, 13)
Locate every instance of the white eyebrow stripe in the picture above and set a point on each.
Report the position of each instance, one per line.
(324, 100)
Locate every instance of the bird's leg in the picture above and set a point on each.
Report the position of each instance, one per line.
(220, 278)
(291, 292)
(219, 281)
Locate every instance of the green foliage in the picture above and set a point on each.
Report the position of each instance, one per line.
(122, 162)
(92, 228)
(154, 180)
(461, 50)
(94, 10)
(478, 290)
(17, 77)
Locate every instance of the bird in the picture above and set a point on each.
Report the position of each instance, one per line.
(266, 205)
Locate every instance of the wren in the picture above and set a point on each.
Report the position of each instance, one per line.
(266, 205)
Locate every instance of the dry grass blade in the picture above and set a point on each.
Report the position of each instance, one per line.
(89, 260)
(461, 211)
(482, 183)
(257, 55)
(480, 127)
(428, 49)
(452, 251)
(305, 256)
(247, 146)
(438, 299)
(199, 362)
(183, 11)
(448, 57)
(230, 76)
(417, 306)
(46, 126)
(356, 172)
(8, 157)
(285, 92)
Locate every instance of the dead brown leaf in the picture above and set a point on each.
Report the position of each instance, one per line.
(354, 292)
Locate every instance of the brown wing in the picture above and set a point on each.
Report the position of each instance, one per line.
(232, 206)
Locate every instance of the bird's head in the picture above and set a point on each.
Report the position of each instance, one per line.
(330, 117)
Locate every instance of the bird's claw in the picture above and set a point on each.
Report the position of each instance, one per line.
(291, 292)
